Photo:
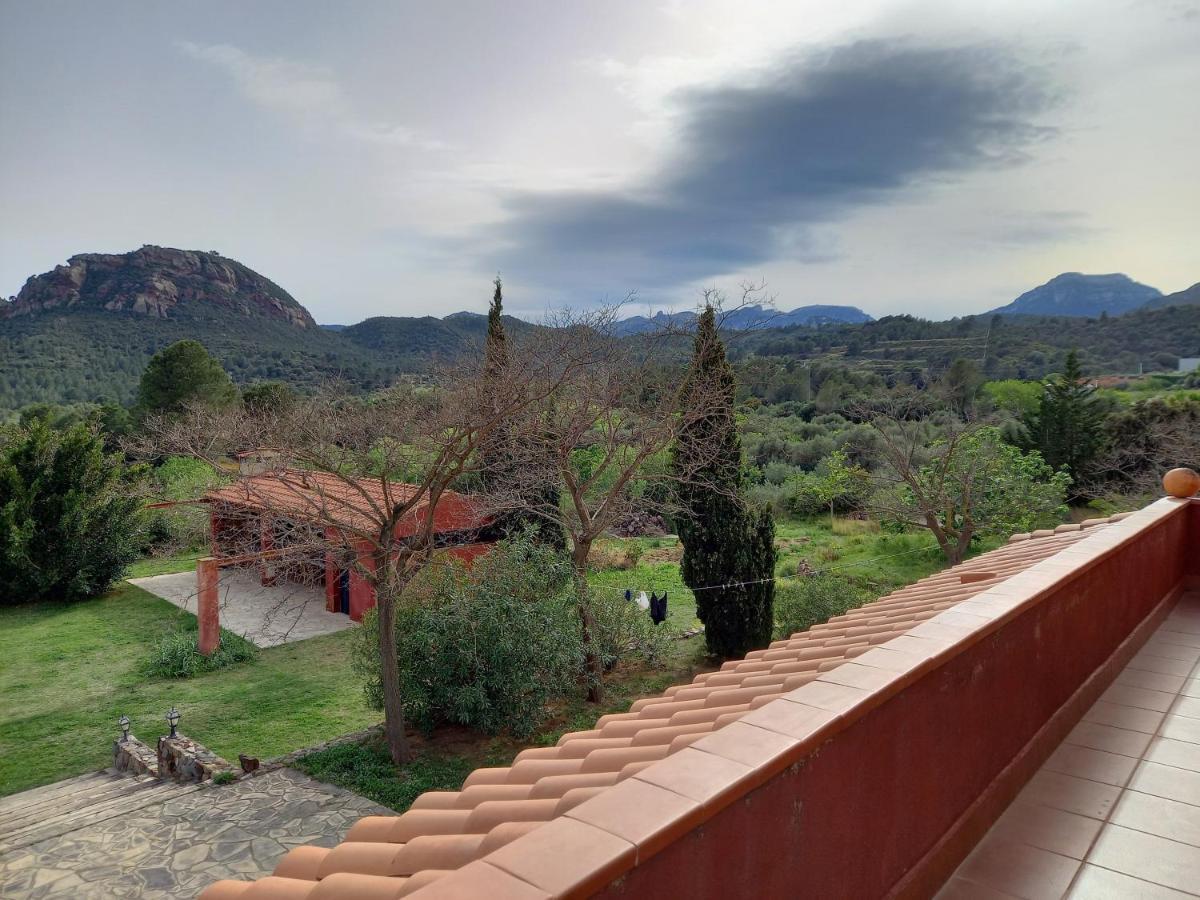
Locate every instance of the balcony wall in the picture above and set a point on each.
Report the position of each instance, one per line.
(879, 778)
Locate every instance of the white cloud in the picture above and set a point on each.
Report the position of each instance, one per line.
(310, 93)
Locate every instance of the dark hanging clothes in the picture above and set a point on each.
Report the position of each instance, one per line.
(658, 609)
(629, 594)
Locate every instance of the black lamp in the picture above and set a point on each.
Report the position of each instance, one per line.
(173, 720)
(124, 723)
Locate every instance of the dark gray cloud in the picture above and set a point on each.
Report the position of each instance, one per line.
(757, 167)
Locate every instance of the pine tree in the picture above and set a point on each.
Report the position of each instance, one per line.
(180, 374)
(1067, 425)
(496, 451)
(728, 549)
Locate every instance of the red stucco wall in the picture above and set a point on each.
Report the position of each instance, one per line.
(870, 805)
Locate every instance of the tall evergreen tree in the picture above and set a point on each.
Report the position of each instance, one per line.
(1067, 425)
(497, 452)
(728, 549)
(180, 374)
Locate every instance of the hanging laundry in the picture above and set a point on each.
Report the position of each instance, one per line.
(658, 609)
(643, 601)
(628, 595)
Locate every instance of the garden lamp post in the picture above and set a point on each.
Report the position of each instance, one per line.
(173, 720)
(124, 723)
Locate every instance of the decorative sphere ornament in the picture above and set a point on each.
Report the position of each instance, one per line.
(1181, 483)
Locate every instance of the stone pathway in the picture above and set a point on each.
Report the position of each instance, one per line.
(177, 847)
(265, 616)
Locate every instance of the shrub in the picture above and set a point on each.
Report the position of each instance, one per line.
(226, 777)
(68, 515)
(487, 647)
(177, 655)
(808, 601)
(625, 631)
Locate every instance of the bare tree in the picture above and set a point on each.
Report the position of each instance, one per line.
(368, 475)
(603, 431)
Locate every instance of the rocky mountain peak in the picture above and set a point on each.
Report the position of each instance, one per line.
(155, 281)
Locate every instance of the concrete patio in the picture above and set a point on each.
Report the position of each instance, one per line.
(265, 616)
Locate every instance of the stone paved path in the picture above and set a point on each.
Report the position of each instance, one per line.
(265, 616)
(176, 848)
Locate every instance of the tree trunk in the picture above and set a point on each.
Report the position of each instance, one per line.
(389, 670)
(595, 668)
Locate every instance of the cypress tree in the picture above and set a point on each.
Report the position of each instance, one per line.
(496, 451)
(728, 549)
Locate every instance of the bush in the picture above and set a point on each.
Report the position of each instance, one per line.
(177, 655)
(625, 631)
(808, 601)
(68, 515)
(487, 647)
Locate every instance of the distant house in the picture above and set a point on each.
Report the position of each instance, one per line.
(304, 527)
(1189, 363)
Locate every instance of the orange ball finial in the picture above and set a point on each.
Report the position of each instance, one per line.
(1181, 483)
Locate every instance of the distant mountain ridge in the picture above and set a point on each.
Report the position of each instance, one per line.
(748, 318)
(1076, 294)
(1186, 297)
(154, 281)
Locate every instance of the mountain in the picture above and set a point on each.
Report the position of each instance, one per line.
(749, 318)
(1186, 297)
(1075, 294)
(154, 282)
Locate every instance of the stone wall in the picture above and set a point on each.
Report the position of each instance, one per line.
(132, 756)
(182, 759)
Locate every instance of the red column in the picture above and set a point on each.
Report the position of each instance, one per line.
(266, 568)
(208, 579)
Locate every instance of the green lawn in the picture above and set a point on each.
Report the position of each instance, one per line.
(67, 672)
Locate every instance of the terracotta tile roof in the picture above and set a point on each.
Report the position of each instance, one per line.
(395, 856)
(353, 502)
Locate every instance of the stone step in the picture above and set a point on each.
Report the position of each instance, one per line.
(85, 794)
(57, 788)
(139, 796)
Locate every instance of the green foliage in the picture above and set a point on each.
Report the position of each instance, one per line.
(1017, 398)
(803, 602)
(180, 528)
(977, 485)
(1066, 428)
(181, 374)
(728, 549)
(268, 396)
(177, 655)
(224, 778)
(837, 485)
(624, 632)
(68, 518)
(487, 647)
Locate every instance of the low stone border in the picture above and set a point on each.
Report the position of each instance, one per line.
(288, 759)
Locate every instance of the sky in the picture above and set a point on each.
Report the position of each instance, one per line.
(382, 158)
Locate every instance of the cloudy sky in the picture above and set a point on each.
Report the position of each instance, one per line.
(388, 158)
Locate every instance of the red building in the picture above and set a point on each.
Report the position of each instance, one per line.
(310, 528)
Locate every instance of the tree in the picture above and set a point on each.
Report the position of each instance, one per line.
(498, 452)
(728, 549)
(68, 515)
(413, 444)
(268, 395)
(179, 375)
(961, 384)
(1067, 426)
(965, 484)
(603, 431)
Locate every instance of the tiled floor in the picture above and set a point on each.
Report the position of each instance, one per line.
(1115, 811)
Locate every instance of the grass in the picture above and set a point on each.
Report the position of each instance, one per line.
(67, 672)
(164, 565)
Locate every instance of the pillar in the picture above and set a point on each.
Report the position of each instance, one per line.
(208, 580)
